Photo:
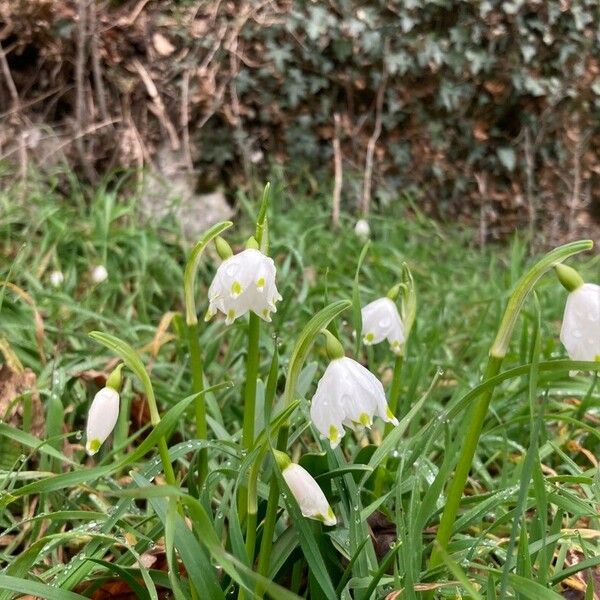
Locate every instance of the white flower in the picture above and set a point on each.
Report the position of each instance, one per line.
(308, 494)
(102, 418)
(56, 278)
(243, 282)
(380, 321)
(347, 394)
(99, 274)
(362, 229)
(580, 331)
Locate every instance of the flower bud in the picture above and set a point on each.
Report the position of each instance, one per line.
(57, 278)
(362, 229)
(102, 418)
(99, 274)
(309, 496)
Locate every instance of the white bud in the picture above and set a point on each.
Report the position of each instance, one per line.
(580, 331)
(362, 229)
(381, 320)
(308, 494)
(99, 274)
(347, 394)
(56, 278)
(243, 282)
(102, 418)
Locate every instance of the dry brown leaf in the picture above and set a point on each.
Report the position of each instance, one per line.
(14, 386)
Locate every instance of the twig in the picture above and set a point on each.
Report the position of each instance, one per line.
(185, 119)
(80, 112)
(576, 194)
(367, 185)
(337, 172)
(157, 107)
(96, 68)
(91, 129)
(481, 180)
(529, 184)
(10, 82)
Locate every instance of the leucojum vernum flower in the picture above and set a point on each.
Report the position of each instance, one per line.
(348, 394)
(244, 282)
(580, 331)
(380, 321)
(103, 413)
(309, 496)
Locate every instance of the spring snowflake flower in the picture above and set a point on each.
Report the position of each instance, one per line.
(243, 282)
(308, 494)
(580, 331)
(380, 321)
(362, 229)
(56, 278)
(347, 394)
(103, 413)
(99, 274)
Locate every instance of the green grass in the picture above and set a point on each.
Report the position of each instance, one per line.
(71, 523)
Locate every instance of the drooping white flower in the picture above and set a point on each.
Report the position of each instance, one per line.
(381, 320)
(56, 278)
(308, 494)
(99, 274)
(347, 394)
(362, 229)
(102, 418)
(580, 331)
(243, 282)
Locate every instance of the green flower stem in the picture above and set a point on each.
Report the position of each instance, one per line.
(251, 377)
(266, 545)
(249, 400)
(395, 390)
(200, 404)
(476, 416)
(393, 405)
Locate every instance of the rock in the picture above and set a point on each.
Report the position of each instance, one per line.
(169, 189)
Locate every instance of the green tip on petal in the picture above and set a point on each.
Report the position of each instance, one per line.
(364, 419)
(568, 277)
(282, 459)
(334, 435)
(223, 248)
(369, 338)
(115, 379)
(93, 446)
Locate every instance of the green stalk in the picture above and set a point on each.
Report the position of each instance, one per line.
(266, 545)
(251, 377)
(476, 416)
(395, 390)
(196, 367)
(393, 405)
